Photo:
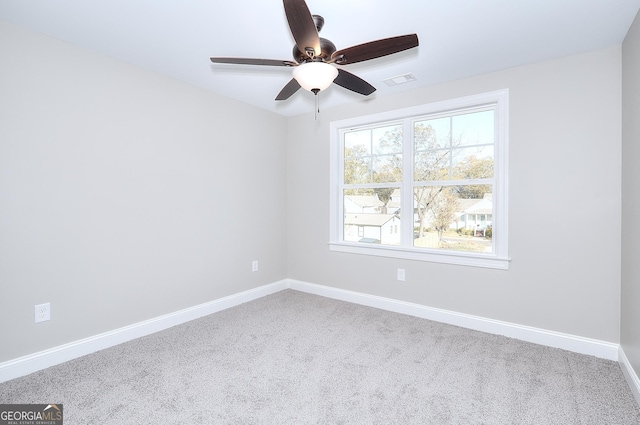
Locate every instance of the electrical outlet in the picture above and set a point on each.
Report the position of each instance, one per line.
(254, 266)
(43, 312)
(401, 275)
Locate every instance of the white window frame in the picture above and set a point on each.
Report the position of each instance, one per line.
(498, 259)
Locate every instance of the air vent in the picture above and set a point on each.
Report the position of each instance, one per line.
(400, 79)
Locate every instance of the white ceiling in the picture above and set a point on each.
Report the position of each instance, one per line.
(458, 38)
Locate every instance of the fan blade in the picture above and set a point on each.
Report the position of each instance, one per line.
(302, 26)
(349, 81)
(244, 61)
(291, 87)
(374, 49)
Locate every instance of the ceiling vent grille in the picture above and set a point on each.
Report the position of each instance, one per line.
(400, 79)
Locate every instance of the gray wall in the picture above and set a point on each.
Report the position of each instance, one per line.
(565, 206)
(125, 195)
(630, 318)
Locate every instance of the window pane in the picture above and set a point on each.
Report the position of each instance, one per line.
(473, 163)
(357, 170)
(432, 134)
(432, 165)
(357, 143)
(387, 140)
(454, 218)
(473, 129)
(387, 168)
(372, 216)
(373, 155)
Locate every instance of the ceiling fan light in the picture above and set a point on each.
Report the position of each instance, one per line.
(315, 75)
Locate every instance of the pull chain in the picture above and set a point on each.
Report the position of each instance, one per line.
(317, 108)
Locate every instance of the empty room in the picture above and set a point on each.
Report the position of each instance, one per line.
(304, 211)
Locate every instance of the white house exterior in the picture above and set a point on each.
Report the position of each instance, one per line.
(362, 204)
(372, 228)
(474, 214)
(366, 219)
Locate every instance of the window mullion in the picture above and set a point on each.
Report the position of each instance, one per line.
(450, 148)
(372, 157)
(407, 218)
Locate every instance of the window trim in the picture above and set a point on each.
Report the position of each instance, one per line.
(499, 258)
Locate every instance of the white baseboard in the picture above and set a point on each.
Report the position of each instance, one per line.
(630, 375)
(41, 360)
(33, 362)
(593, 347)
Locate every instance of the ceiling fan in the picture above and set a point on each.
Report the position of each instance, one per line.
(315, 57)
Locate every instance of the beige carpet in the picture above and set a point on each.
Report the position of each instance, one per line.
(295, 358)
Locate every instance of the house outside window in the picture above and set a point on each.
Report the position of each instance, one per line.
(426, 183)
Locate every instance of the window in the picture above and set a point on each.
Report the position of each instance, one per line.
(425, 183)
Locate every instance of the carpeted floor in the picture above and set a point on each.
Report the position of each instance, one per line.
(295, 358)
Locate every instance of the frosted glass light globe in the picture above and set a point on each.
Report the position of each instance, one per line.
(315, 75)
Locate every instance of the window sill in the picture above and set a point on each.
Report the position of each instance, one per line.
(447, 257)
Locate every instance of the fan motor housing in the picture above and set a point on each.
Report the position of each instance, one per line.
(327, 48)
